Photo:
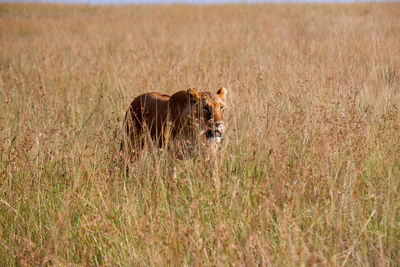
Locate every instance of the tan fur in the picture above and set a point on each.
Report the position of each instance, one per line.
(162, 117)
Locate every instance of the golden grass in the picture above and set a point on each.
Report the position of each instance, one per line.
(308, 172)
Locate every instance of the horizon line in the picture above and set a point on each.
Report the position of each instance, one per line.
(192, 2)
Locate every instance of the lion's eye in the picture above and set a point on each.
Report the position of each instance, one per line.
(207, 109)
(222, 108)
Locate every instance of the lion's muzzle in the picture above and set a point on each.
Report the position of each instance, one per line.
(215, 133)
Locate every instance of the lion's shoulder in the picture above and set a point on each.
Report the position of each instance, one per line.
(156, 96)
(180, 98)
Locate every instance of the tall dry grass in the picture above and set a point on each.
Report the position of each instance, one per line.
(308, 172)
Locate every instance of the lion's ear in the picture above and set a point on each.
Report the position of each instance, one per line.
(222, 92)
(193, 94)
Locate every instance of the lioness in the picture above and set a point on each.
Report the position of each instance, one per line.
(189, 115)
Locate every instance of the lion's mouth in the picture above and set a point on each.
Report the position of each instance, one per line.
(213, 136)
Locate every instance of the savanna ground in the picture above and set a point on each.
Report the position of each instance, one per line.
(308, 171)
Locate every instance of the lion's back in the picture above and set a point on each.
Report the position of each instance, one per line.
(146, 110)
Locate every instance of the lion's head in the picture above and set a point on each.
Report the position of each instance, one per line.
(209, 109)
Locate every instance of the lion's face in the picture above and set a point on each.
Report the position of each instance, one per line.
(210, 110)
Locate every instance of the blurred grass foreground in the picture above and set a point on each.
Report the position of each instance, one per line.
(308, 171)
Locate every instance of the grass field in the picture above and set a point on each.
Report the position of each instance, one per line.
(308, 171)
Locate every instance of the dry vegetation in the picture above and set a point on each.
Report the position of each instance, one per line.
(308, 172)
